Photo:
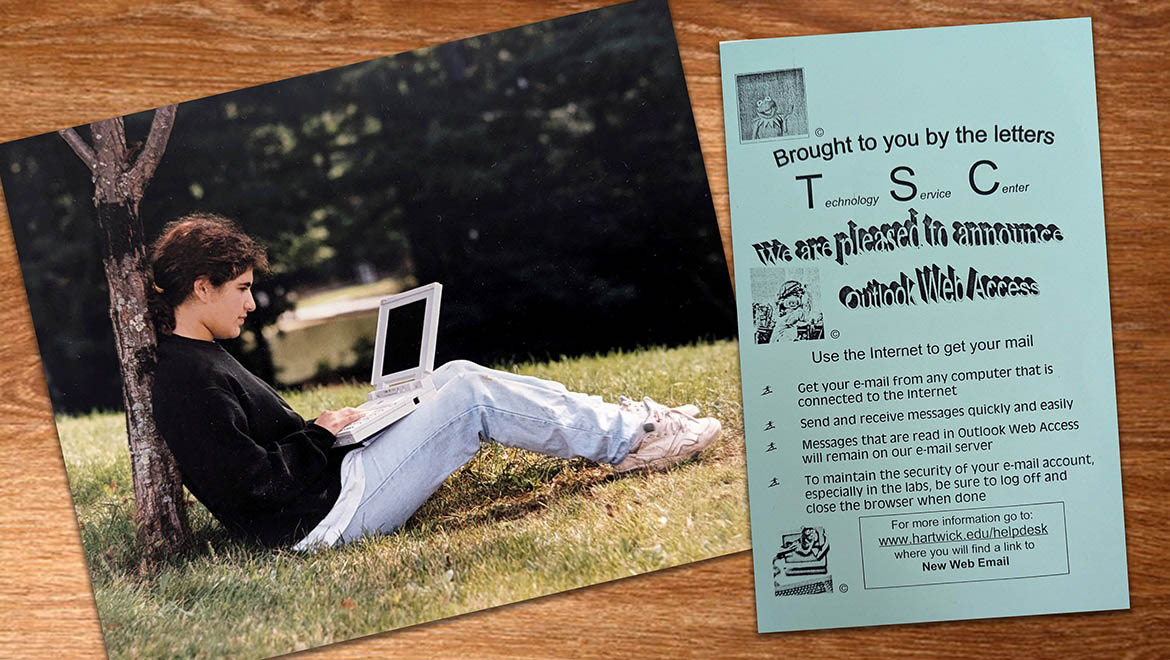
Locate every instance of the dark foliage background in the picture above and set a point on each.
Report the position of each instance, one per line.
(549, 176)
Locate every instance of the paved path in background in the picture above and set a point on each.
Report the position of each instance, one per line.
(328, 310)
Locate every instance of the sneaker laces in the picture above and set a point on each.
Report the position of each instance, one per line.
(661, 422)
(650, 406)
(660, 418)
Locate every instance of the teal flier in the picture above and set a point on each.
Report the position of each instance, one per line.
(925, 338)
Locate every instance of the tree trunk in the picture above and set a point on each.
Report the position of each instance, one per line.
(160, 516)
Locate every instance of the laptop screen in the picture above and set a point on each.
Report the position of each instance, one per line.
(404, 335)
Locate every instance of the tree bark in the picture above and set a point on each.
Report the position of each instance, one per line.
(160, 516)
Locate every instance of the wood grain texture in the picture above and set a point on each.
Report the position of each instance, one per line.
(66, 63)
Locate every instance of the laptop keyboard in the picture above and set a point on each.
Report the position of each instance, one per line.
(372, 409)
(375, 408)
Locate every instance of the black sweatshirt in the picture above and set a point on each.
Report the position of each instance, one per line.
(262, 471)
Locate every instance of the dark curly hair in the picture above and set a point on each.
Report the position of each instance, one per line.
(193, 246)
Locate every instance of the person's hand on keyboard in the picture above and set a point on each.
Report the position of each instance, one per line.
(335, 420)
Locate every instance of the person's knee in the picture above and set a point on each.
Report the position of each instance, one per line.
(462, 393)
(474, 387)
(471, 396)
(456, 367)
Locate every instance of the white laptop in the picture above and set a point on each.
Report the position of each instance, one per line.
(404, 358)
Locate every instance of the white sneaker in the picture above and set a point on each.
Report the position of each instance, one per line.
(668, 438)
(648, 405)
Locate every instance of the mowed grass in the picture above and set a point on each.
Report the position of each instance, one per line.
(508, 526)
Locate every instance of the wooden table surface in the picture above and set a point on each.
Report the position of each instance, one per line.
(67, 63)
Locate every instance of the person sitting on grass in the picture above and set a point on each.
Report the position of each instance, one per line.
(268, 475)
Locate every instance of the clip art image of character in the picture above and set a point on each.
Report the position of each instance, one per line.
(796, 319)
(769, 122)
(811, 546)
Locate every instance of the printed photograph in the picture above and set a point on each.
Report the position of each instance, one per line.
(391, 342)
(786, 305)
(771, 105)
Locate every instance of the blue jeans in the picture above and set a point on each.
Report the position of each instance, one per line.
(407, 462)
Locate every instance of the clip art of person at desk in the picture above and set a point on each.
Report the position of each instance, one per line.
(795, 318)
(810, 548)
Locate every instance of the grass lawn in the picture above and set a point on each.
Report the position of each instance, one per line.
(508, 526)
